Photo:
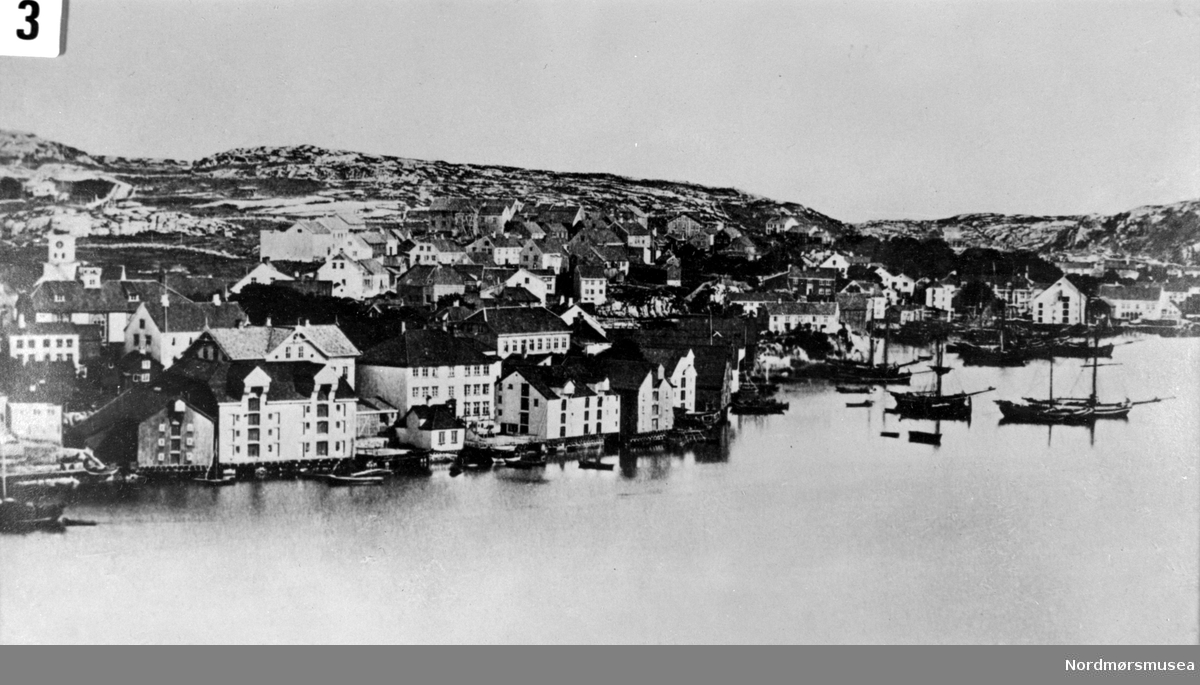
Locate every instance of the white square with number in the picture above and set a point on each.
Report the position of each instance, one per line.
(31, 28)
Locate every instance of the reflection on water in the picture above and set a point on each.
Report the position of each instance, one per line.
(806, 527)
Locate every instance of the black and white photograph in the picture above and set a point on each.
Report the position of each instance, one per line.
(539, 322)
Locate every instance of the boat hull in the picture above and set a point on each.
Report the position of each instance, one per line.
(1016, 412)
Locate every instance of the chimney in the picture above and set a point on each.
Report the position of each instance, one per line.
(20, 320)
(268, 324)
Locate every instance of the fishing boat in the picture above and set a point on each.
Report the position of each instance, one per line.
(864, 403)
(933, 403)
(22, 516)
(1070, 410)
(853, 390)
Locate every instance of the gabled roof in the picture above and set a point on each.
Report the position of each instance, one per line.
(144, 400)
(227, 380)
(518, 320)
(424, 348)
(256, 342)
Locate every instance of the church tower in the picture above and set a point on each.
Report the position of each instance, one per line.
(61, 265)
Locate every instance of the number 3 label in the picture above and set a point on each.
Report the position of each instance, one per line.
(31, 28)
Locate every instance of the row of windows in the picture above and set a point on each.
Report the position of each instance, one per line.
(26, 358)
(58, 342)
(557, 343)
(477, 408)
(436, 371)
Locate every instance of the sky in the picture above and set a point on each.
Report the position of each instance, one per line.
(860, 110)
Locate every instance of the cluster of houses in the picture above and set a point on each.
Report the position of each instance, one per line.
(520, 342)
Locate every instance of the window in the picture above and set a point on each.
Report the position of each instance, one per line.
(322, 449)
(322, 426)
(416, 392)
(58, 342)
(322, 410)
(450, 392)
(145, 362)
(252, 434)
(254, 404)
(142, 324)
(252, 449)
(45, 342)
(441, 437)
(20, 343)
(252, 419)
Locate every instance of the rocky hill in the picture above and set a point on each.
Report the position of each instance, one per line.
(1169, 232)
(231, 195)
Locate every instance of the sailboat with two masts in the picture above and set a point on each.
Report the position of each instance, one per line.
(934, 403)
(868, 372)
(1070, 409)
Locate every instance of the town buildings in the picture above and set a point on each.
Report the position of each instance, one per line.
(1060, 303)
(550, 403)
(506, 331)
(430, 367)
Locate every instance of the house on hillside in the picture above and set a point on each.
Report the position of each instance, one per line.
(264, 273)
(164, 330)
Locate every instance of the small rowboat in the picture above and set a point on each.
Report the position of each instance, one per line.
(594, 464)
(524, 464)
(889, 434)
(855, 390)
(353, 480)
(864, 403)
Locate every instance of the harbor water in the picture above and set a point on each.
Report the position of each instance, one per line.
(805, 527)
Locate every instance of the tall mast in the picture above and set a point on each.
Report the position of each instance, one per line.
(1052, 378)
(887, 336)
(938, 370)
(1095, 364)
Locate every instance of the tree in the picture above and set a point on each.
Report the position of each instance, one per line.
(975, 295)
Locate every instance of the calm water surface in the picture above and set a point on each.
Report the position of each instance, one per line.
(807, 527)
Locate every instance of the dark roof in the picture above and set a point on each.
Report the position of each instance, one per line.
(628, 375)
(434, 417)
(183, 315)
(47, 328)
(144, 400)
(1130, 292)
(424, 348)
(226, 380)
(111, 296)
(517, 320)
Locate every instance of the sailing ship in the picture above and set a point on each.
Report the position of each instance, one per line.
(868, 372)
(1070, 409)
(1003, 354)
(933, 403)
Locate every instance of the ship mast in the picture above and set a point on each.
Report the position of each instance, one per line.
(941, 349)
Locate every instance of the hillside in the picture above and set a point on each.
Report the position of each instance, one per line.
(223, 200)
(1169, 232)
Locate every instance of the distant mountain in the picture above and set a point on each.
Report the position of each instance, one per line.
(1169, 232)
